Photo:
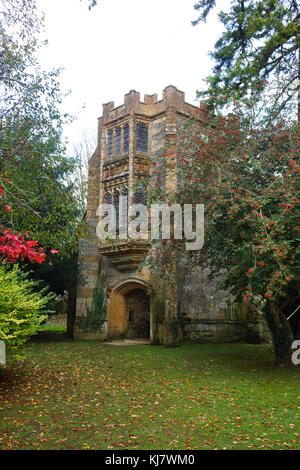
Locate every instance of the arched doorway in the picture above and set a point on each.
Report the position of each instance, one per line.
(128, 310)
(138, 316)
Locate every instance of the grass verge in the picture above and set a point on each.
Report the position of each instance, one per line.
(89, 395)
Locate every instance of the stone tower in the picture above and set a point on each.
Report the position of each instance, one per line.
(130, 137)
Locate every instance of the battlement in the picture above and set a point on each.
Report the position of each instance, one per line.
(150, 107)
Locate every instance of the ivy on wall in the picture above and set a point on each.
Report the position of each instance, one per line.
(96, 314)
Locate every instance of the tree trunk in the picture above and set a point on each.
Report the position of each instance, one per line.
(282, 335)
(71, 304)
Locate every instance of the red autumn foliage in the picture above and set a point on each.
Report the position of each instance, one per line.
(18, 247)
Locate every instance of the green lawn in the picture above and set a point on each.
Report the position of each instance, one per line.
(52, 328)
(88, 395)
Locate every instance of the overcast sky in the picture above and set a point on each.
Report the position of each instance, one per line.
(121, 45)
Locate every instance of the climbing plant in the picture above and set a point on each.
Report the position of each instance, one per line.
(96, 314)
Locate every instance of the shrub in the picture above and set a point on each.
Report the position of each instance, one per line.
(22, 307)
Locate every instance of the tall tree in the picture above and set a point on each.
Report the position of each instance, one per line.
(41, 190)
(261, 41)
(246, 173)
(39, 194)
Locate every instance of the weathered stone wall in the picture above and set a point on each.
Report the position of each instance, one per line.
(89, 256)
(190, 309)
(88, 259)
(207, 315)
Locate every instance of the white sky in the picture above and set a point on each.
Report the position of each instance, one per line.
(121, 45)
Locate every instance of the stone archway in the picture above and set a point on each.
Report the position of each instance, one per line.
(128, 310)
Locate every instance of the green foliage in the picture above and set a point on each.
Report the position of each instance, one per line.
(40, 187)
(96, 314)
(32, 153)
(23, 307)
(261, 41)
(58, 305)
(245, 170)
(50, 328)
(60, 273)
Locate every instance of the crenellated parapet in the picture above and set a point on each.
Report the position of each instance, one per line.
(150, 107)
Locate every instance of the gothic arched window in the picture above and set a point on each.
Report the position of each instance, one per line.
(118, 141)
(116, 206)
(123, 208)
(108, 201)
(141, 137)
(110, 145)
(126, 138)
